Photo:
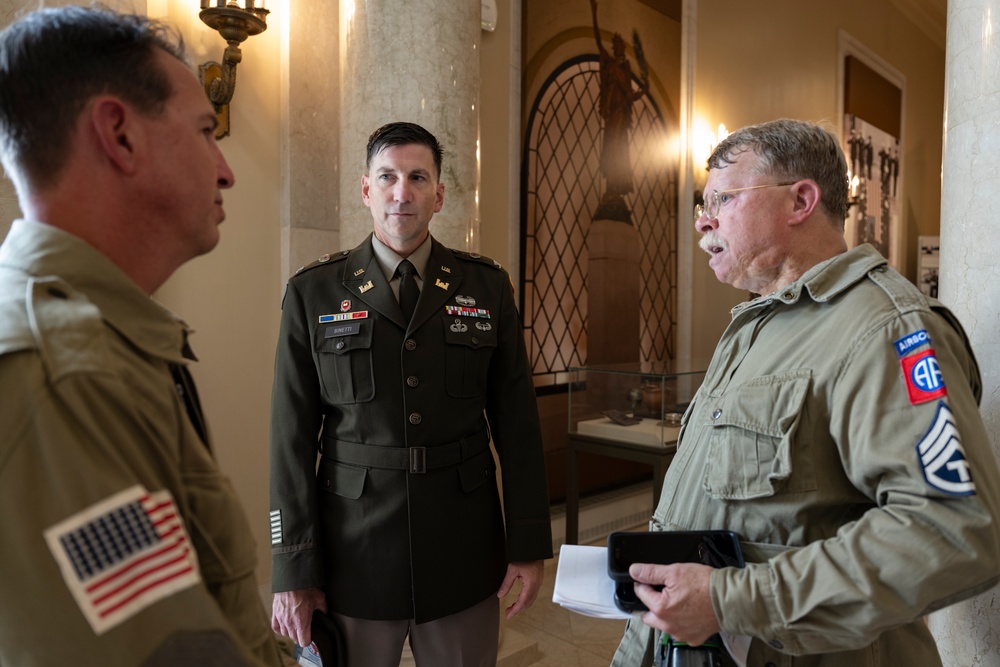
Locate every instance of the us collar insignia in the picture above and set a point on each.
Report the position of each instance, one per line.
(358, 272)
(439, 283)
(367, 286)
(446, 269)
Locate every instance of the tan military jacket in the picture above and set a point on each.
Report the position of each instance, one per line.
(123, 543)
(838, 432)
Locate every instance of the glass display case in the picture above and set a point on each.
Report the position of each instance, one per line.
(626, 411)
(638, 403)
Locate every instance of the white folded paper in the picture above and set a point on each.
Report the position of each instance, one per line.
(582, 582)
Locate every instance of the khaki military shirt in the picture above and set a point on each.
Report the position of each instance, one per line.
(838, 432)
(123, 543)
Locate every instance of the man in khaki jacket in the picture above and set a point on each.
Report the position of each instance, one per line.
(837, 431)
(123, 543)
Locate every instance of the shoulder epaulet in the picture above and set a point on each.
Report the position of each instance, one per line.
(476, 257)
(16, 333)
(325, 259)
(68, 328)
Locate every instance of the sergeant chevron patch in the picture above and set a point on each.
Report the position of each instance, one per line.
(942, 457)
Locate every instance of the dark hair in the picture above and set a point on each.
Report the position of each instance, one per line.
(54, 60)
(400, 134)
(792, 149)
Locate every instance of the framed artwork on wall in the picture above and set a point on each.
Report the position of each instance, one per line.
(873, 213)
(928, 256)
(871, 100)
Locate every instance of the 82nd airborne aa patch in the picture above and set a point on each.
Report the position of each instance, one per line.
(924, 381)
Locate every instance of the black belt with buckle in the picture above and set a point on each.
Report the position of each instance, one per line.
(416, 460)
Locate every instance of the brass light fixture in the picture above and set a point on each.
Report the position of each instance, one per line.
(235, 24)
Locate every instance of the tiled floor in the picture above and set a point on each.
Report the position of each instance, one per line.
(546, 635)
(563, 638)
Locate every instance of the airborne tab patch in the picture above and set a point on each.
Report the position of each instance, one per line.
(942, 458)
(908, 343)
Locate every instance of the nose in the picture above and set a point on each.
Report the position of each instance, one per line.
(225, 177)
(401, 192)
(703, 224)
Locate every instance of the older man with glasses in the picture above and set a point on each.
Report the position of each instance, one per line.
(837, 432)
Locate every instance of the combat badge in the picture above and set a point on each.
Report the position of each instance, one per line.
(942, 458)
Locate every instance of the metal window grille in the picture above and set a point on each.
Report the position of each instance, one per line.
(562, 185)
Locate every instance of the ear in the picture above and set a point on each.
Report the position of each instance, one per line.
(365, 190)
(439, 197)
(112, 123)
(806, 197)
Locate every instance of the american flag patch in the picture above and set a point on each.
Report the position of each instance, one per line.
(123, 554)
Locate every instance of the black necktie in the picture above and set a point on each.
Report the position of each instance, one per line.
(408, 290)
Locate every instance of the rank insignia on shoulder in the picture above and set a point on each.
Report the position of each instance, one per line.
(942, 458)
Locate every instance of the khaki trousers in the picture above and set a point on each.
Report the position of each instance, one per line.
(466, 639)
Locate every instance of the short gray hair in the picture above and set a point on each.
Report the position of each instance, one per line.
(791, 150)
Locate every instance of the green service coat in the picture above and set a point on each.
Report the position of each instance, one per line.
(93, 423)
(848, 483)
(387, 543)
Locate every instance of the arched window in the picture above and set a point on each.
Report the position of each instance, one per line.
(561, 188)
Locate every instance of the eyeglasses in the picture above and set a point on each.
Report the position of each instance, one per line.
(710, 209)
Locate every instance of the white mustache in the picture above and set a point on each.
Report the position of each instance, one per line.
(711, 240)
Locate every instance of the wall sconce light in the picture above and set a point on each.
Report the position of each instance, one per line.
(704, 142)
(235, 24)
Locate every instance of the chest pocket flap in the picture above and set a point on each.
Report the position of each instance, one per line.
(469, 347)
(752, 432)
(345, 362)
